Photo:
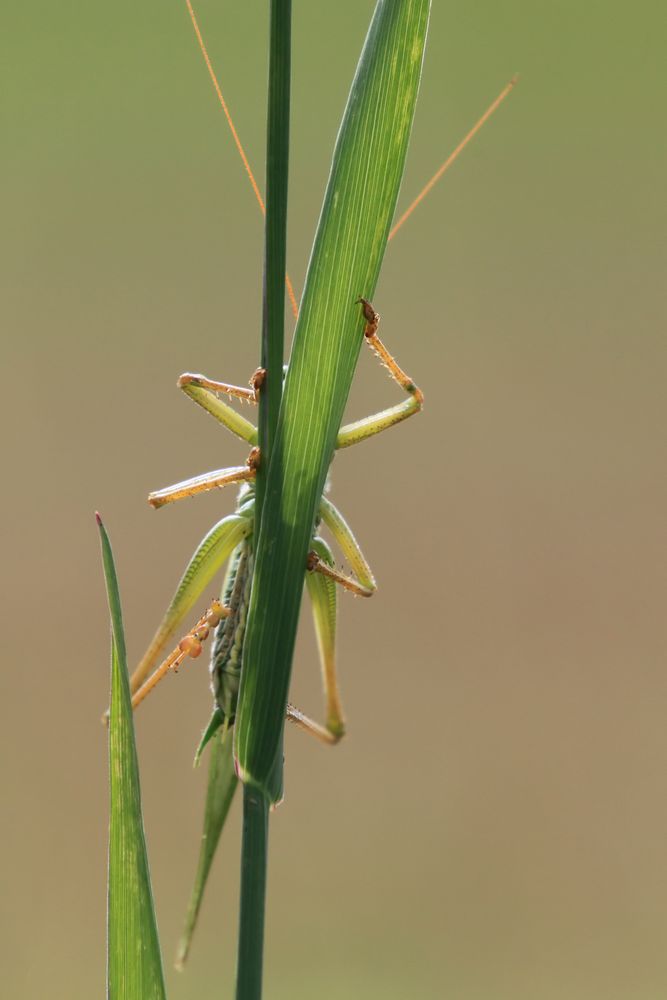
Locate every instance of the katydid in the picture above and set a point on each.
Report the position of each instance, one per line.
(231, 539)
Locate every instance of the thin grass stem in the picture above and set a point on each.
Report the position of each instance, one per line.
(253, 894)
(254, 851)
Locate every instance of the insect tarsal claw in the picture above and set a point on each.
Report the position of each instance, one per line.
(312, 561)
(258, 379)
(369, 313)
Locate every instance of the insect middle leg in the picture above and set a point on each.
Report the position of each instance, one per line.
(208, 481)
(362, 583)
(322, 733)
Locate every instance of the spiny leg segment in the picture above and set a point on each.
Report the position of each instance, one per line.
(250, 395)
(362, 429)
(190, 645)
(308, 725)
(197, 387)
(208, 481)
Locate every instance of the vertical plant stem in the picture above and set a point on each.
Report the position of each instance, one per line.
(254, 852)
(275, 245)
(253, 894)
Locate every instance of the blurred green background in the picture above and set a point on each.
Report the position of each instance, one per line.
(494, 826)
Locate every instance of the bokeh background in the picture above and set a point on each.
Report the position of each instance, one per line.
(494, 826)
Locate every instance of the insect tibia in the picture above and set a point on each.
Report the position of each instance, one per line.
(330, 734)
(386, 358)
(189, 646)
(188, 380)
(314, 564)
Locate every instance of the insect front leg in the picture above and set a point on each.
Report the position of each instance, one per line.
(362, 429)
(203, 391)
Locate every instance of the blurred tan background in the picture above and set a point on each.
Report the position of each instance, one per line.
(494, 827)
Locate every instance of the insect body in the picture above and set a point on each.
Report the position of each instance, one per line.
(231, 539)
(227, 651)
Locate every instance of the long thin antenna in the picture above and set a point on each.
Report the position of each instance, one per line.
(251, 177)
(235, 136)
(453, 155)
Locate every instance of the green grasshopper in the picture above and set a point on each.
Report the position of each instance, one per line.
(231, 539)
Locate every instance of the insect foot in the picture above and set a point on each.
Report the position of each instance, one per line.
(372, 318)
(312, 561)
(257, 380)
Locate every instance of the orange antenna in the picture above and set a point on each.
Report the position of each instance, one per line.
(452, 156)
(237, 141)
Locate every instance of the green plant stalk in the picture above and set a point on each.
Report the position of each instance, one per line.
(254, 850)
(253, 894)
(275, 239)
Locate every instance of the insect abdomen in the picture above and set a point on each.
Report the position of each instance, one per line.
(227, 649)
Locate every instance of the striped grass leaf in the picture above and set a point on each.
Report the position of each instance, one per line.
(347, 253)
(134, 962)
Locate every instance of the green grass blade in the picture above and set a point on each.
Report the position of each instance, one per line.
(222, 782)
(215, 723)
(345, 263)
(134, 962)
